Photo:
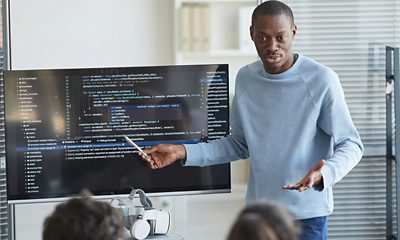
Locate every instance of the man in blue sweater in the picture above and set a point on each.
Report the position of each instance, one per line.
(290, 117)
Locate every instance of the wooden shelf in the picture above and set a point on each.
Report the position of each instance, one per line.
(224, 33)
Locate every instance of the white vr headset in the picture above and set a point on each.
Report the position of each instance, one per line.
(141, 221)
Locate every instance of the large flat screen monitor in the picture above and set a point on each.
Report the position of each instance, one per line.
(65, 127)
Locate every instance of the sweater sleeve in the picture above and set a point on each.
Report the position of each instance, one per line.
(223, 150)
(335, 121)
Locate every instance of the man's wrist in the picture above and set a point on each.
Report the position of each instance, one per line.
(180, 152)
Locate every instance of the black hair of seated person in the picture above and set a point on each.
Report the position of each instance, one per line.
(264, 221)
(83, 218)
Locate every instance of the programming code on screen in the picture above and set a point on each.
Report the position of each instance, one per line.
(64, 128)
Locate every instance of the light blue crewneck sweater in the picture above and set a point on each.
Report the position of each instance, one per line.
(286, 123)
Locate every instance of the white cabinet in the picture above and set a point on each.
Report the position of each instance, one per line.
(214, 31)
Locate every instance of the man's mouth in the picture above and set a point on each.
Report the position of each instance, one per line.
(272, 58)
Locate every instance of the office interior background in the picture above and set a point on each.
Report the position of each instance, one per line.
(350, 36)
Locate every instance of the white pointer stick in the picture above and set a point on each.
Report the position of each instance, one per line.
(136, 146)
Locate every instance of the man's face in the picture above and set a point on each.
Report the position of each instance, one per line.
(273, 36)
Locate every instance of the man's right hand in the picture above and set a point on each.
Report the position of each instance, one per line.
(162, 155)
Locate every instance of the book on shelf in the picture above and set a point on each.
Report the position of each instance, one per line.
(204, 28)
(185, 25)
(195, 27)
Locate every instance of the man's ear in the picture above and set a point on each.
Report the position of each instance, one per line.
(294, 30)
(251, 32)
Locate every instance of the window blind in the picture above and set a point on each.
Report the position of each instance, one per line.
(350, 37)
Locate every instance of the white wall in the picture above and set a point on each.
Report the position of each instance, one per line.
(90, 33)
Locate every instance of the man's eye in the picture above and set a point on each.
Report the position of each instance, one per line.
(262, 38)
(282, 38)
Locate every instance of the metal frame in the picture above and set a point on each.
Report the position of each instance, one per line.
(8, 208)
(392, 88)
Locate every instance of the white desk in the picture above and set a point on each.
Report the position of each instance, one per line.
(169, 236)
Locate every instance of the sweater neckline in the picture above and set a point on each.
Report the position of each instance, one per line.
(290, 72)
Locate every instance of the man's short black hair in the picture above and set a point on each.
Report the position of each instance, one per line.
(274, 8)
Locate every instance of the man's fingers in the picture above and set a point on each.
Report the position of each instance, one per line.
(303, 188)
(153, 165)
(291, 186)
(147, 157)
(149, 151)
(299, 186)
(308, 181)
(287, 186)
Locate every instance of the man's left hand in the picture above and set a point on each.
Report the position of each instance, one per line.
(312, 178)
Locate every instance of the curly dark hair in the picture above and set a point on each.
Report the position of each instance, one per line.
(83, 218)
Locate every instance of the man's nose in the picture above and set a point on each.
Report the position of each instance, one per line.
(272, 46)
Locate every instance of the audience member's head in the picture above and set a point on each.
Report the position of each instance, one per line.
(264, 221)
(83, 218)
